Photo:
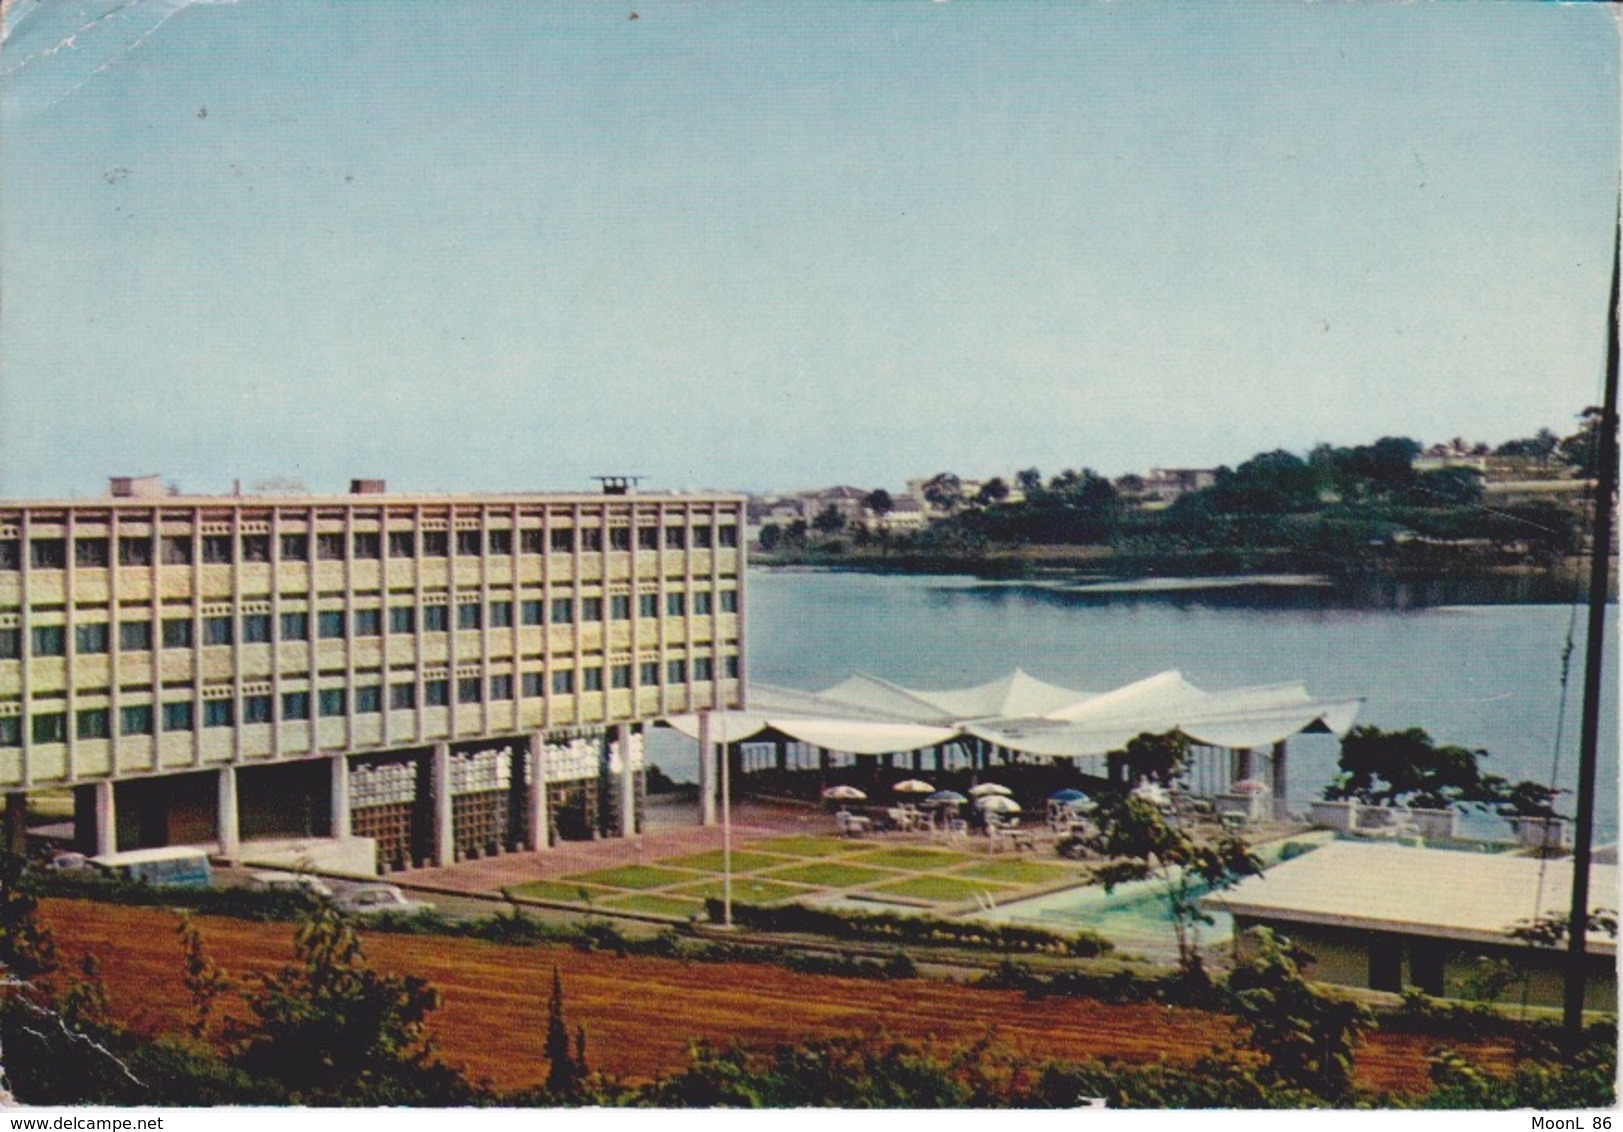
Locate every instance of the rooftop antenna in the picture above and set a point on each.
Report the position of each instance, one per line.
(619, 485)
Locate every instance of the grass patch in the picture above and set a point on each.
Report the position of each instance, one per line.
(656, 904)
(938, 889)
(831, 874)
(912, 858)
(562, 891)
(743, 862)
(809, 846)
(746, 890)
(1019, 872)
(632, 876)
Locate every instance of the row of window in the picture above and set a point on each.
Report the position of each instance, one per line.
(180, 715)
(331, 624)
(181, 550)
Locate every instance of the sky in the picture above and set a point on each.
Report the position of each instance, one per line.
(510, 246)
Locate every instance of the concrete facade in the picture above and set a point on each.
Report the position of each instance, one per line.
(179, 649)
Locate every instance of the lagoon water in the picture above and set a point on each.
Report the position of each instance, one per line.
(1478, 675)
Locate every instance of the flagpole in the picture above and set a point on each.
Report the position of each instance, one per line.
(726, 837)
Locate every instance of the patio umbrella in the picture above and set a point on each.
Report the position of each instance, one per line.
(913, 786)
(844, 793)
(1250, 786)
(998, 804)
(1067, 796)
(987, 788)
(945, 798)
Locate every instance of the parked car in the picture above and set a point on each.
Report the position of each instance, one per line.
(304, 883)
(380, 899)
(67, 862)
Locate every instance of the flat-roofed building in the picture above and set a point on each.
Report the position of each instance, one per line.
(449, 675)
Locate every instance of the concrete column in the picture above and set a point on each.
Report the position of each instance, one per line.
(1279, 783)
(106, 820)
(16, 824)
(226, 822)
(628, 783)
(340, 797)
(539, 814)
(707, 772)
(440, 799)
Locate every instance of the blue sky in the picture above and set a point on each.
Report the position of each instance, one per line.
(509, 246)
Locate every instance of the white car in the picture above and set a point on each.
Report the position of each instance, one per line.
(380, 899)
(289, 882)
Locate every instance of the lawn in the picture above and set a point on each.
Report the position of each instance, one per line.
(912, 858)
(656, 904)
(937, 889)
(746, 890)
(563, 891)
(743, 861)
(809, 846)
(1019, 872)
(633, 876)
(831, 874)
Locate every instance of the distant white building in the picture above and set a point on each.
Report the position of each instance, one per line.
(1457, 453)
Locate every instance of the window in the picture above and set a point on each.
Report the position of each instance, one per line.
(91, 638)
(675, 538)
(11, 644)
(620, 676)
(647, 538)
(563, 610)
(729, 601)
(369, 700)
(727, 537)
(51, 728)
(647, 605)
(218, 713)
(135, 552)
(177, 633)
(704, 668)
(403, 697)
(530, 685)
(436, 544)
(648, 673)
(330, 702)
(702, 604)
(217, 550)
(530, 612)
(256, 628)
(591, 680)
(403, 619)
(93, 723)
(436, 693)
(216, 630)
(619, 538)
(676, 672)
(256, 548)
(136, 720)
(47, 553)
(501, 687)
(296, 626)
(330, 547)
(9, 559)
(562, 540)
(436, 618)
(89, 553)
(676, 604)
(11, 731)
(366, 544)
(295, 548)
(468, 690)
(701, 537)
(591, 609)
(402, 544)
(501, 615)
(467, 542)
(730, 667)
(330, 624)
(135, 636)
(529, 542)
(500, 542)
(591, 538)
(256, 709)
(177, 716)
(295, 705)
(563, 683)
(620, 607)
(50, 640)
(467, 615)
(368, 622)
(175, 550)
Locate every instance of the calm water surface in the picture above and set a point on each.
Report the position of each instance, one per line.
(1478, 675)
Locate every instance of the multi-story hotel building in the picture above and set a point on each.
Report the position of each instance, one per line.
(448, 675)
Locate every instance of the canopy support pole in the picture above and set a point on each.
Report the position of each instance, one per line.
(1280, 809)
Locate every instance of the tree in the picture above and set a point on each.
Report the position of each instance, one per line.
(1389, 768)
(993, 491)
(204, 979)
(829, 520)
(944, 491)
(1030, 481)
(879, 503)
(770, 536)
(564, 1071)
(1446, 487)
